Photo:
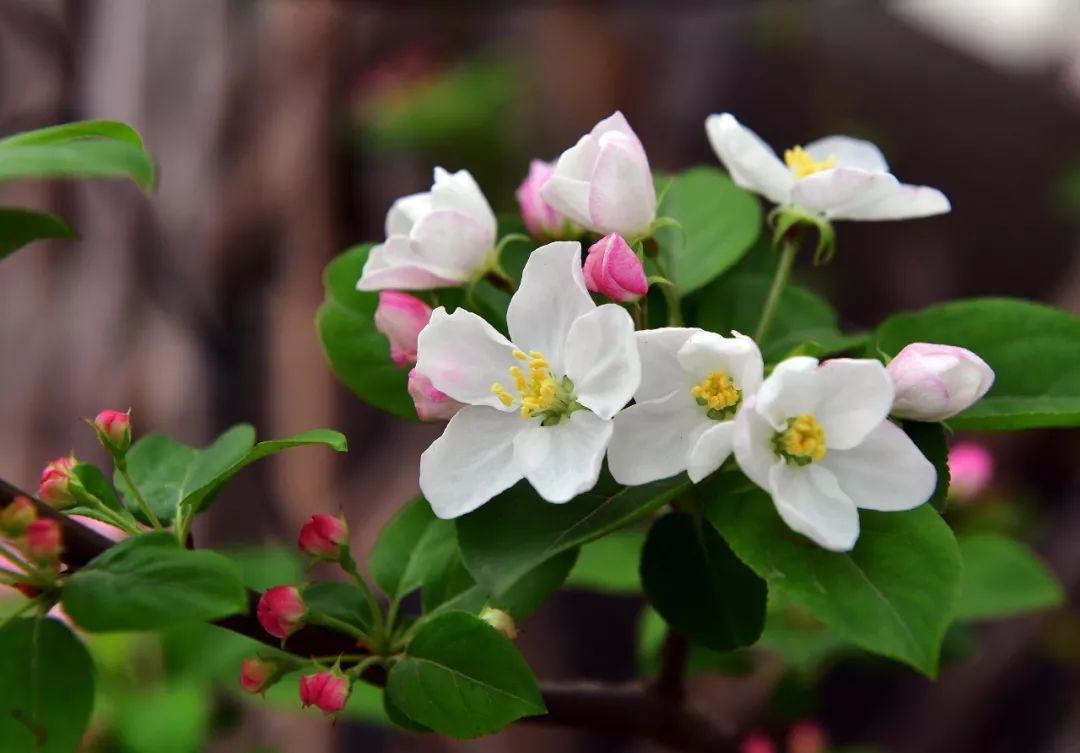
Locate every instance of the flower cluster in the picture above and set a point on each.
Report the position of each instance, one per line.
(575, 380)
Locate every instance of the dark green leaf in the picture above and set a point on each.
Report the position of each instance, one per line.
(398, 717)
(462, 678)
(699, 587)
(21, 226)
(46, 687)
(342, 601)
(932, 443)
(652, 631)
(148, 582)
(413, 544)
(536, 586)
(94, 481)
(1002, 578)
(263, 567)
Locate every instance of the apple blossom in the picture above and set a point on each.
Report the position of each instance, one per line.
(934, 382)
(692, 385)
(329, 691)
(613, 269)
(818, 439)
(604, 182)
(43, 541)
(541, 220)
(54, 485)
(114, 430)
(836, 177)
(570, 366)
(400, 317)
(282, 611)
(971, 469)
(441, 238)
(324, 537)
(258, 674)
(17, 517)
(430, 403)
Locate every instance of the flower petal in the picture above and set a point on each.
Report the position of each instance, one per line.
(616, 123)
(653, 439)
(886, 471)
(569, 197)
(832, 192)
(464, 356)
(471, 462)
(459, 192)
(453, 243)
(601, 358)
(552, 295)
(789, 391)
(711, 449)
(750, 161)
(849, 152)
(562, 461)
(395, 265)
(406, 212)
(812, 503)
(902, 202)
(661, 373)
(753, 443)
(737, 356)
(622, 198)
(854, 396)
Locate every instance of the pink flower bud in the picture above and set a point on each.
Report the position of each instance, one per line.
(431, 404)
(613, 269)
(115, 427)
(971, 469)
(756, 742)
(400, 317)
(501, 621)
(540, 218)
(323, 537)
(282, 611)
(53, 488)
(806, 737)
(43, 541)
(258, 674)
(327, 690)
(17, 517)
(934, 382)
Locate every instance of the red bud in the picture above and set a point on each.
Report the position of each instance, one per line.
(323, 537)
(282, 611)
(327, 690)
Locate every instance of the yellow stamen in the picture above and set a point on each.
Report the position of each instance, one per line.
(805, 438)
(716, 391)
(802, 164)
(504, 397)
(536, 389)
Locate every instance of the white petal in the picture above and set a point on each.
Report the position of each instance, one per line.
(395, 265)
(789, 391)
(661, 373)
(902, 202)
(849, 152)
(569, 197)
(832, 192)
(459, 192)
(601, 358)
(738, 357)
(464, 356)
(552, 295)
(750, 161)
(562, 461)
(622, 198)
(406, 212)
(753, 443)
(711, 449)
(616, 123)
(471, 462)
(811, 502)
(854, 396)
(453, 243)
(653, 439)
(885, 472)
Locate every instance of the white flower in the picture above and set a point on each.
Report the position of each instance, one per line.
(603, 182)
(818, 440)
(692, 384)
(539, 407)
(436, 239)
(838, 177)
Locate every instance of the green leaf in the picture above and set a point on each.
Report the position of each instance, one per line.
(934, 445)
(610, 564)
(699, 587)
(894, 594)
(86, 158)
(462, 678)
(21, 226)
(398, 717)
(517, 530)
(172, 719)
(46, 687)
(535, 587)
(413, 544)
(720, 223)
(359, 354)
(343, 601)
(1031, 347)
(94, 481)
(1002, 578)
(147, 582)
(263, 567)
(58, 134)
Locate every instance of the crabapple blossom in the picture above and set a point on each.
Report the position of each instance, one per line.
(541, 220)
(613, 269)
(114, 427)
(934, 382)
(17, 517)
(400, 317)
(430, 403)
(282, 611)
(324, 536)
(329, 691)
(43, 540)
(54, 485)
(258, 674)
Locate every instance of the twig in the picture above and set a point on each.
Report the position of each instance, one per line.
(671, 682)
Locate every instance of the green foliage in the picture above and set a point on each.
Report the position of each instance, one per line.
(1002, 578)
(719, 223)
(401, 557)
(46, 687)
(699, 587)
(894, 594)
(342, 601)
(148, 582)
(1031, 347)
(173, 719)
(21, 226)
(934, 445)
(462, 678)
(610, 564)
(517, 530)
(358, 353)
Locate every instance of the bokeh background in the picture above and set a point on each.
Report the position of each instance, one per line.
(284, 129)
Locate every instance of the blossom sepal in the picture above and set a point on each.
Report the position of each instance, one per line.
(792, 221)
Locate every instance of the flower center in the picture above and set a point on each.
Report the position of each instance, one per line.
(802, 164)
(803, 442)
(718, 395)
(538, 394)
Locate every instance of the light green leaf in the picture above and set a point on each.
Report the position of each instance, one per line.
(172, 719)
(21, 226)
(148, 582)
(46, 687)
(462, 678)
(610, 564)
(86, 158)
(58, 134)
(1031, 347)
(1002, 578)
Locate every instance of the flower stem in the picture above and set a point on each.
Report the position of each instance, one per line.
(670, 291)
(341, 626)
(118, 520)
(16, 559)
(348, 564)
(143, 504)
(783, 272)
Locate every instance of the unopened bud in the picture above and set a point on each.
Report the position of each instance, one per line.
(756, 742)
(613, 269)
(43, 541)
(17, 517)
(501, 621)
(282, 611)
(113, 428)
(806, 737)
(54, 485)
(324, 537)
(329, 691)
(258, 674)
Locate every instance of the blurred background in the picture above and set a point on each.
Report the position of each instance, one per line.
(284, 129)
